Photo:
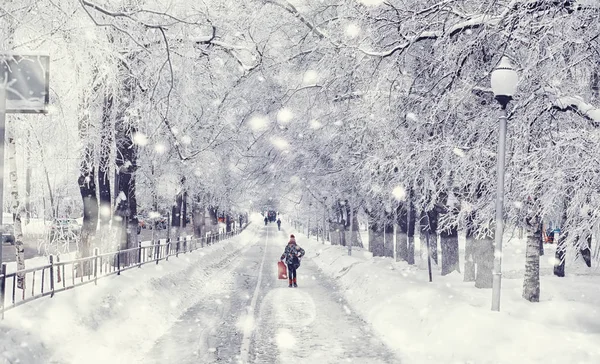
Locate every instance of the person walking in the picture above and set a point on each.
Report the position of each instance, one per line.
(266, 220)
(292, 255)
(278, 224)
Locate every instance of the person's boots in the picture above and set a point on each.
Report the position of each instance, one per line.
(290, 283)
(295, 284)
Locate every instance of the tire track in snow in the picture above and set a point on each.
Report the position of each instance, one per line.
(249, 320)
(313, 324)
(190, 338)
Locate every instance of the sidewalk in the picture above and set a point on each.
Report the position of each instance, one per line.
(449, 321)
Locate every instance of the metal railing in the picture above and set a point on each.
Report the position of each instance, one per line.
(57, 276)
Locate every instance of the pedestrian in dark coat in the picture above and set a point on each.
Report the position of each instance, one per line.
(292, 255)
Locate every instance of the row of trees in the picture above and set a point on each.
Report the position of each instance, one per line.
(405, 122)
(381, 107)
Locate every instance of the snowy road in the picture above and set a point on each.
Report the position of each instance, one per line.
(248, 316)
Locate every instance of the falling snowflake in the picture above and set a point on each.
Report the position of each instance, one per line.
(280, 143)
(105, 211)
(315, 124)
(310, 77)
(285, 116)
(160, 148)
(352, 30)
(258, 122)
(371, 2)
(399, 193)
(140, 139)
(459, 152)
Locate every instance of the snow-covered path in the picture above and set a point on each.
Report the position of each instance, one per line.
(248, 316)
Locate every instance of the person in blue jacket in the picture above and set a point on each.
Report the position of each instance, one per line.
(291, 256)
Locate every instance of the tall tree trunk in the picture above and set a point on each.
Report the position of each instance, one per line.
(213, 218)
(7, 26)
(87, 188)
(586, 251)
(228, 221)
(389, 238)
(355, 235)
(336, 232)
(376, 244)
(16, 208)
(470, 250)
(531, 281)
(541, 242)
(560, 255)
(449, 244)
(432, 219)
(28, 178)
(411, 217)
(402, 234)
(126, 212)
(176, 216)
(561, 249)
(198, 218)
(106, 140)
(184, 210)
(423, 240)
(484, 260)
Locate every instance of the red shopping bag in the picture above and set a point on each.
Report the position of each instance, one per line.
(281, 270)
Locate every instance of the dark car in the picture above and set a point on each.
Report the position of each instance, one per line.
(8, 234)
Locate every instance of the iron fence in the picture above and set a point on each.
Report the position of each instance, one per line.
(57, 276)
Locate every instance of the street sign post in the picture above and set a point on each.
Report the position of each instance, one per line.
(24, 88)
(25, 78)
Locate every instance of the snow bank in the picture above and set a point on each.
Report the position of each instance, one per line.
(449, 321)
(120, 318)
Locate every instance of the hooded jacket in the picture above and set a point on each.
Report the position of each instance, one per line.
(292, 253)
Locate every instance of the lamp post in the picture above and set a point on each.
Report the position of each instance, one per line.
(504, 84)
(324, 218)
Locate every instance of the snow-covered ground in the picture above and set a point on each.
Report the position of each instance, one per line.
(223, 303)
(121, 317)
(449, 321)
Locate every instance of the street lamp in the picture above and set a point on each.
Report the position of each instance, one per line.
(504, 84)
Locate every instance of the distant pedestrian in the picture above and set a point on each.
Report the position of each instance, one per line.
(266, 220)
(278, 224)
(292, 255)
